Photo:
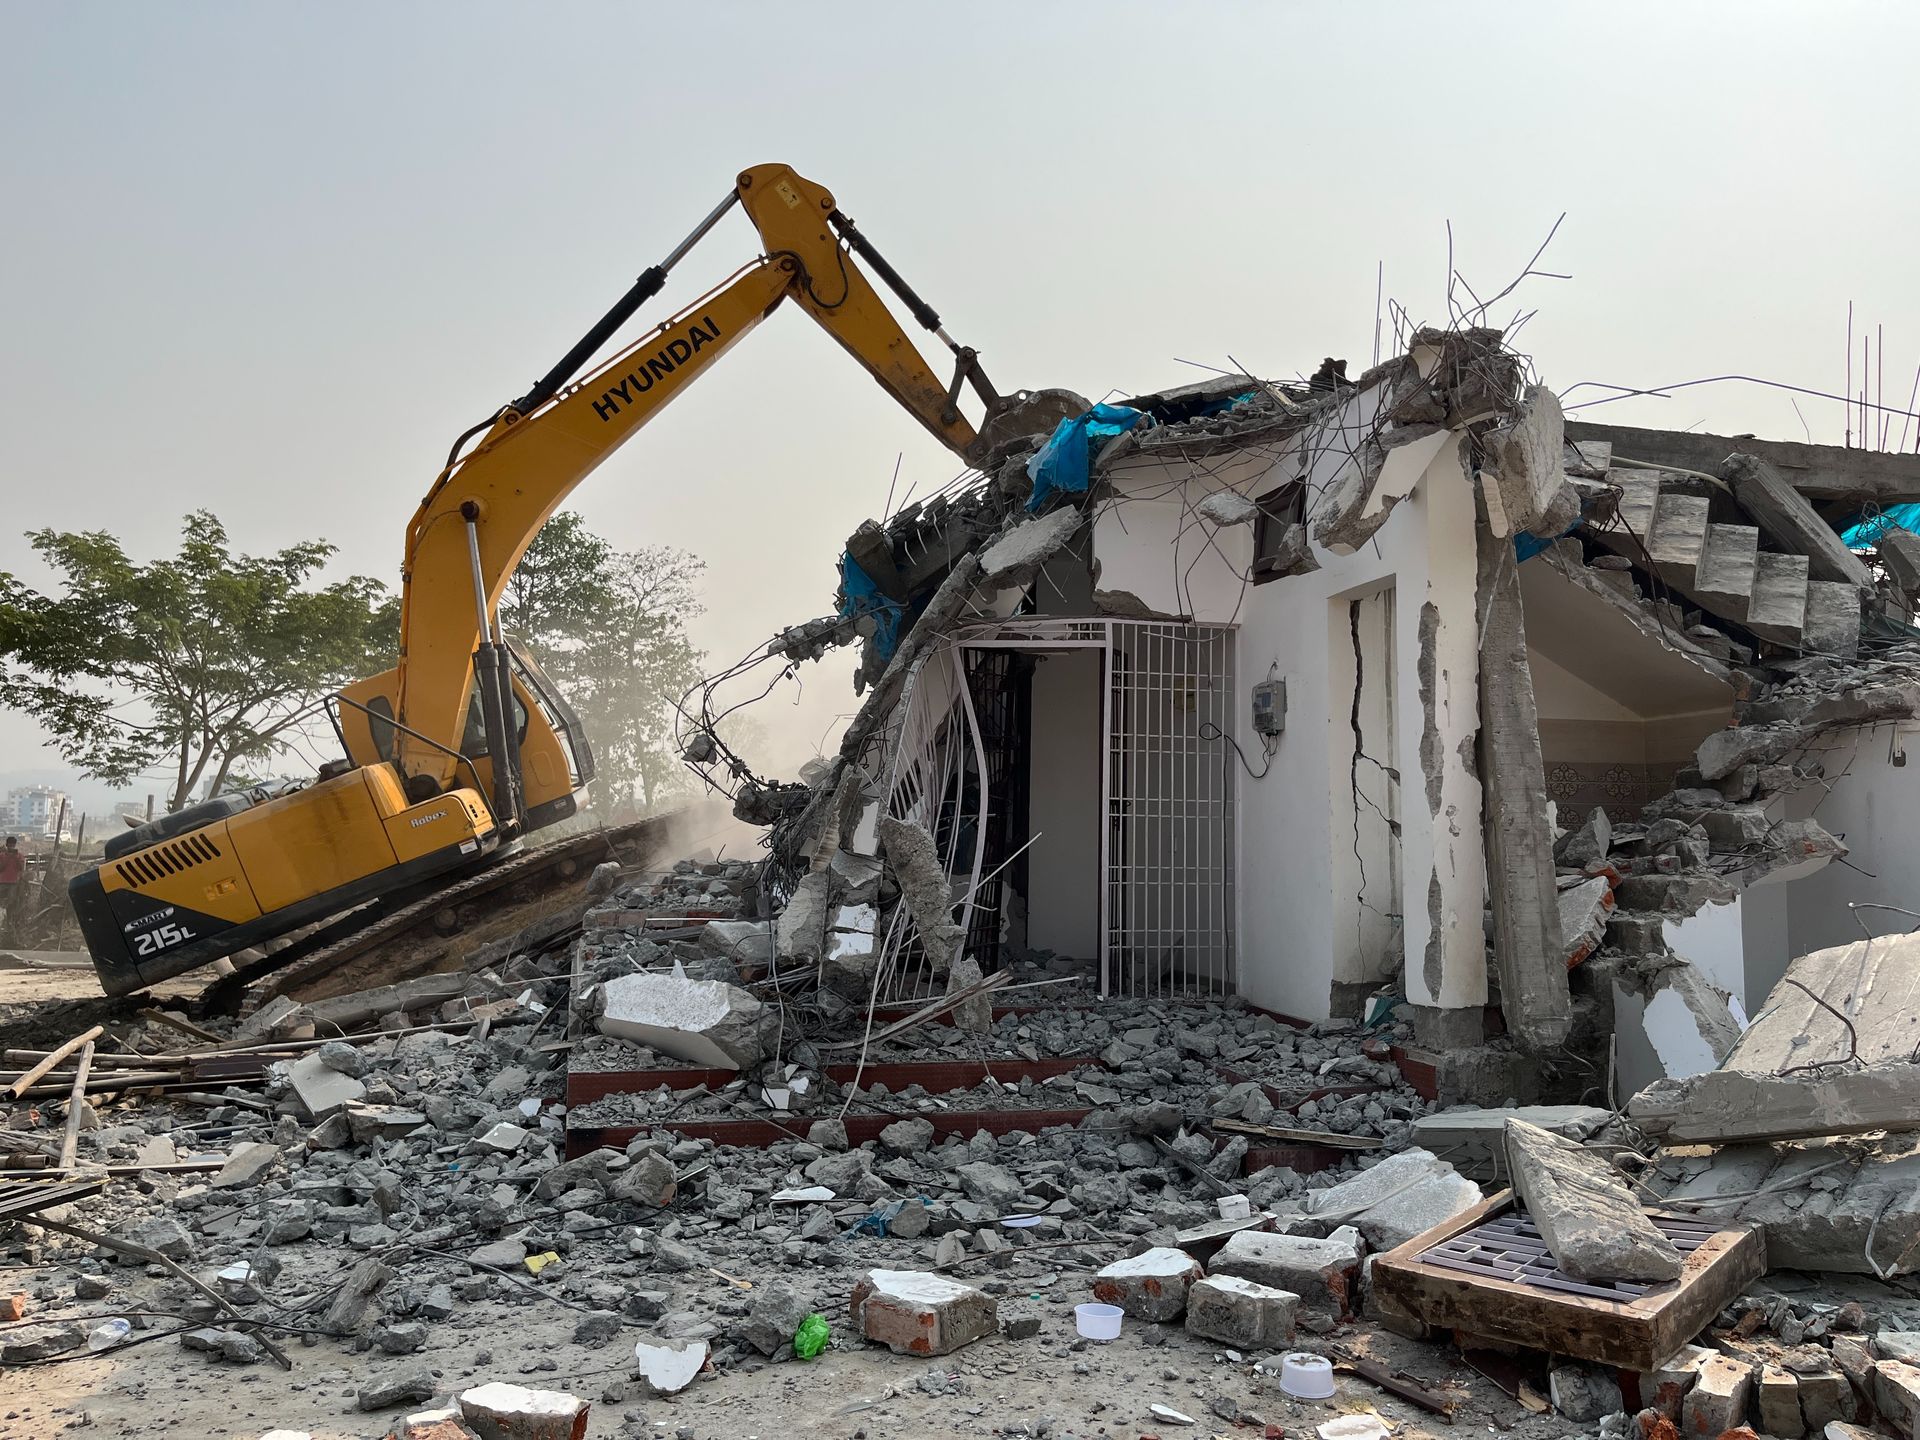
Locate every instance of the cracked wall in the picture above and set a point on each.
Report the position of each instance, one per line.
(1297, 832)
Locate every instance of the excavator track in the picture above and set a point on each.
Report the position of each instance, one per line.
(431, 934)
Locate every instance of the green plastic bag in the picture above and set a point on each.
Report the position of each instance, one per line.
(812, 1336)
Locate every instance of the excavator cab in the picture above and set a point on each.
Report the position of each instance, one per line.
(555, 758)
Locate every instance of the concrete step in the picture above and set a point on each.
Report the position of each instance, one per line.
(1778, 609)
(1639, 495)
(1832, 625)
(1724, 578)
(1679, 537)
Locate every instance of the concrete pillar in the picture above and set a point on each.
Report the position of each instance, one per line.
(1534, 995)
(1443, 861)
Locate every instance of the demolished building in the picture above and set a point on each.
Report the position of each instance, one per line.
(1402, 691)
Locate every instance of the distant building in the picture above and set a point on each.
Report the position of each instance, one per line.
(32, 811)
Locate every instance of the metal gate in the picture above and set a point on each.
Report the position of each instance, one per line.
(1166, 921)
(1167, 904)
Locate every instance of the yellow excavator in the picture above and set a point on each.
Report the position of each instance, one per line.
(465, 747)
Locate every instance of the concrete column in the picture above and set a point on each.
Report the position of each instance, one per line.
(1534, 995)
(1443, 862)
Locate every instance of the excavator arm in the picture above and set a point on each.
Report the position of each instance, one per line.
(487, 506)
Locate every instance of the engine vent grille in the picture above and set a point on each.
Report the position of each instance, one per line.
(157, 862)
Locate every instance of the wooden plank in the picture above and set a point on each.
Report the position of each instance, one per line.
(25, 1082)
(1330, 1138)
(1636, 1334)
(76, 1097)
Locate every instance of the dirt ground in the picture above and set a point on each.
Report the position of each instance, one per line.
(1050, 1385)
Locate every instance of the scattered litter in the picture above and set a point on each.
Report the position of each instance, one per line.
(669, 1369)
(1306, 1377)
(812, 1337)
(1097, 1322)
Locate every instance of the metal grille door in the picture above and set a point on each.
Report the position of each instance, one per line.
(1167, 904)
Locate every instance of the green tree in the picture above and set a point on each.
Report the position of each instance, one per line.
(610, 626)
(200, 663)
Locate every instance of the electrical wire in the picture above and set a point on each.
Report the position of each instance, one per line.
(1218, 734)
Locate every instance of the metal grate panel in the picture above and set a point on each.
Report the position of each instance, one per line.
(1168, 903)
(1511, 1248)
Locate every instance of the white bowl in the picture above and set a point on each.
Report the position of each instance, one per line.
(1306, 1377)
(1098, 1322)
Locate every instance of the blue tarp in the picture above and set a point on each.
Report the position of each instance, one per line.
(1064, 465)
(1863, 533)
(860, 596)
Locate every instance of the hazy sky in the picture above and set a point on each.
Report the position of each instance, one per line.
(270, 259)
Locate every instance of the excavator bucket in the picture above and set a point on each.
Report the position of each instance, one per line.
(1027, 413)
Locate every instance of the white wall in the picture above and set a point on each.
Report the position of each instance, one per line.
(1063, 865)
(1151, 544)
(1873, 805)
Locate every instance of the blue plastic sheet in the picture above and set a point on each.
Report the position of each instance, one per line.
(1064, 465)
(1864, 533)
(862, 597)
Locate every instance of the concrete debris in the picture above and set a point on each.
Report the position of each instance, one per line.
(1474, 1139)
(702, 1022)
(1589, 1218)
(1241, 1313)
(1397, 1199)
(502, 1411)
(1729, 1105)
(915, 1313)
(1017, 556)
(1228, 507)
(1323, 1273)
(925, 887)
(1523, 458)
(1152, 1285)
(1584, 910)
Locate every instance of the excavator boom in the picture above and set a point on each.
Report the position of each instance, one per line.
(487, 506)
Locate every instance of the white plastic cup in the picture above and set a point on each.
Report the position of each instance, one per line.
(1306, 1376)
(1097, 1322)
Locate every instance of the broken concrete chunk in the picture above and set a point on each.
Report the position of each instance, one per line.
(1018, 555)
(321, 1088)
(925, 886)
(1323, 1273)
(777, 1312)
(1475, 1140)
(500, 1411)
(915, 1313)
(1591, 843)
(1584, 911)
(907, 1137)
(1148, 1286)
(1523, 457)
(702, 1022)
(1241, 1313)
(1228, 507)
(743, 942)
(650, 1180)
(246, 1163)
(1718, 1400)
(1727, 1105)
(1397, 1199)
(1587, 1215)
(802, 928)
